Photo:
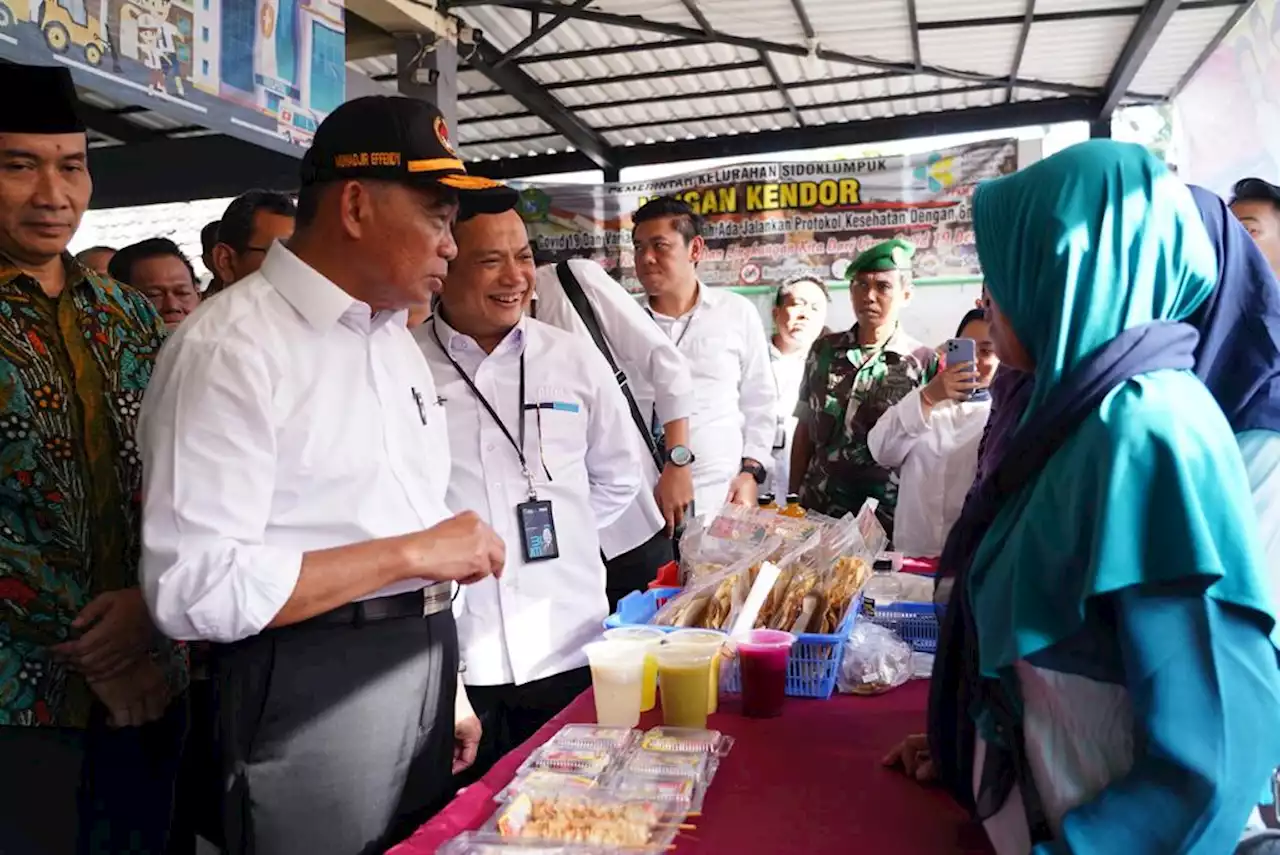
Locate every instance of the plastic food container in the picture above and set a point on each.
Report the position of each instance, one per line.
(676, 789)
(536, 781)
(644, 762)
(479, 843)
(594, 737)
(686, 740)
(597, 819)
(587, 762)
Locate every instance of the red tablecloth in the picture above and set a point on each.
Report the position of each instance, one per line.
(810, 781)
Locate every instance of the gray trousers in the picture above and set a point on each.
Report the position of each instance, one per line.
(333, 734)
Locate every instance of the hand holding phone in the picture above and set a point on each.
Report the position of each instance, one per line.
(957, 377)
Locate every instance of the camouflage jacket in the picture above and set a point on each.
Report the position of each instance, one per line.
(845, 390)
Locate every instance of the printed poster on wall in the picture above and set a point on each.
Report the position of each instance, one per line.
(266, 71)
(1229, 113)
(768, 222)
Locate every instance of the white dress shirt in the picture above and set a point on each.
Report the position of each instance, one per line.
(533, 622)
(733, 414)
(657, 375)
(282, 418)
(937, 459)
(788, 371)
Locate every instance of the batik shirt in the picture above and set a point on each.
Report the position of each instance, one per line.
(72, 373)
(845, 390)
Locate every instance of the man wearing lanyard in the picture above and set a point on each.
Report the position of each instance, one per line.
(295, 466)
(544, 450)
(850, 379)
(722, 336)
(658, 378)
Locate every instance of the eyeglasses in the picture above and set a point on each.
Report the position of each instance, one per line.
(254, 249)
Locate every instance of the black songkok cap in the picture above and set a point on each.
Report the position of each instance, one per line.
(38, 99)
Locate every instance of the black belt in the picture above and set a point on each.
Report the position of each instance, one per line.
(429, 601)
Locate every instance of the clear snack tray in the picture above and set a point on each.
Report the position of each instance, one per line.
(677, 789)
(594, 736)
(585, 762)
(482, 843)
(694, 766)
(685, 740)
(595, 819)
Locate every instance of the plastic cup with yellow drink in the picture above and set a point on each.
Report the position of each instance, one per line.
(683, 671)
(652, 637)
(713, 641)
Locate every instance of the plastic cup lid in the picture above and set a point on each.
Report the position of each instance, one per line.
(616, 652)
(634, 633)
(766, 639)
(696, 636)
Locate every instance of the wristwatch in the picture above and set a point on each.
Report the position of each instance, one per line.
(754, 469)
(680, 456)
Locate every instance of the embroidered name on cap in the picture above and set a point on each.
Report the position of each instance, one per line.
(367, 158)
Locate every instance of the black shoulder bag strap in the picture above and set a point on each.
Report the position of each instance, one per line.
(578, 299)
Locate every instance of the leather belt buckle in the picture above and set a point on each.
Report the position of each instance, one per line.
(436, 598)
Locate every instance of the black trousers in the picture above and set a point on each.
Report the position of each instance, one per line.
(634, 570)
(100, 791)
(511, 714)
(335, 736)
(197, 806)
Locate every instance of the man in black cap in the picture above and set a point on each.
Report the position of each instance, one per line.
(296, 465)
(92, 710)
(1256, 203)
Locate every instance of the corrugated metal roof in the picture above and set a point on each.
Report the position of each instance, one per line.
(967, 53)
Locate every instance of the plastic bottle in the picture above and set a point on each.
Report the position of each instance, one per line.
(793, 508)
(767, 502)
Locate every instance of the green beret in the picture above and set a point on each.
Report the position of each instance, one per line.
(891, 255)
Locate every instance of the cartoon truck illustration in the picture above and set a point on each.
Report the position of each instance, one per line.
(68, 22)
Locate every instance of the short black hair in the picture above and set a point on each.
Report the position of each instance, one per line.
(236, 227)
(1255, 190)
(787, 287)
(209, 236)
(970, 317)
(688, 222)
(122, 263)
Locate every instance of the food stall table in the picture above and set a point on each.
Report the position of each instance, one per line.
(807, 782)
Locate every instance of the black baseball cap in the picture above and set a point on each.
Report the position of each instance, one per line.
(1255, 190)
(398, 139)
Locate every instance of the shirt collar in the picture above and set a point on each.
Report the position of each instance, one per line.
(899, 342)
(77, 274)
(455, 343)
(707, 296)
(320, 302)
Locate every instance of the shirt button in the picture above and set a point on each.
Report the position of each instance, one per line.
(490, 448)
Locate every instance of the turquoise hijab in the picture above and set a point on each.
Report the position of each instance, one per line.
(1150, 488)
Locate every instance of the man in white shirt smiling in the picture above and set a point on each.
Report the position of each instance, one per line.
(540, 438)
(659, 381)
(722, 336)
(295, 470)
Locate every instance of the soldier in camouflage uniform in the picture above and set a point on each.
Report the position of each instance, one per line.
(851, 378)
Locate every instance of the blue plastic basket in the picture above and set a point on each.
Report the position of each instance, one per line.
(815, 658)
(915, 623)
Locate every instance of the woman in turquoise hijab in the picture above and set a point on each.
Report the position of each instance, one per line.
(1127, 645)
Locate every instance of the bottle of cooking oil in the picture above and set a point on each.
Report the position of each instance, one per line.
(766, 502)
(793, 508)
